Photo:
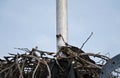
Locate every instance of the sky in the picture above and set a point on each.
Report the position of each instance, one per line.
(30, 23)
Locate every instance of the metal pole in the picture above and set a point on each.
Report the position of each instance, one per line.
(61, 19)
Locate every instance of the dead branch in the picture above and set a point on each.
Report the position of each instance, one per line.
(35, 70)
(59, 35)
(86, 40)
(18, 66)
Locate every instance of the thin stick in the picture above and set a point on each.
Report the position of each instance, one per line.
(58, 64)
(62, 39)
(35, 70)
(86, 40)
(18, 66)
(23, 49)
(48, 68)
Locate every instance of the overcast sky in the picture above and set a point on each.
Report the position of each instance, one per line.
(30, 23)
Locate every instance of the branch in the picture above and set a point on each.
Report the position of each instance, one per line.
(59, 35)
(18, 66)
(48, 68)
(86, 40)
(23, 49)
(35, 70)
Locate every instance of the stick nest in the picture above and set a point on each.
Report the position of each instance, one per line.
(36, 63)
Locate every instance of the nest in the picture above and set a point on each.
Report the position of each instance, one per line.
(42, 64)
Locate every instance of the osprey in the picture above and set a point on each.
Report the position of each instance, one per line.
(75, 51)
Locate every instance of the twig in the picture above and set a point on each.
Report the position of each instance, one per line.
(86, 40)
(23, 49)
(43, 52)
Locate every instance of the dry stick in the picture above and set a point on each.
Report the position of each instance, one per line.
(23, 49)
(58, 64)
(49, 76)
(86, 40)
(23, 64)
(49, 53)
(63, 39)
(35, 70)
(21, 75)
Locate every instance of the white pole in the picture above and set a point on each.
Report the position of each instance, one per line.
(61, 19)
